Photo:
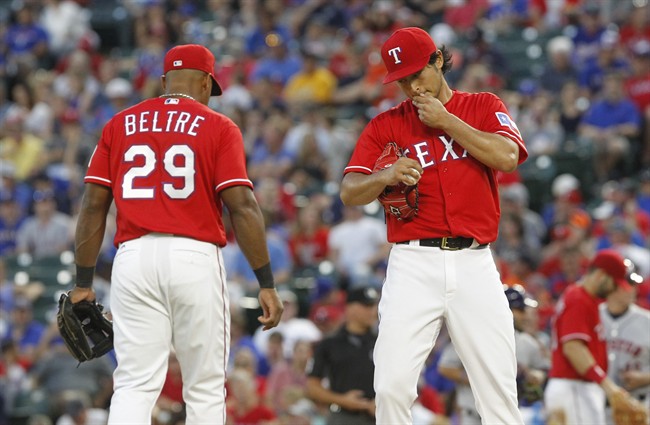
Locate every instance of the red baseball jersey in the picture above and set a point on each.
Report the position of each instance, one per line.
(166, 160)
(458, 194)
(577, 317)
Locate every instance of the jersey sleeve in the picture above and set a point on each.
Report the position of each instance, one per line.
(369, 147)
(574, 323)
(499, 121)
(231, 159)
(99, 170)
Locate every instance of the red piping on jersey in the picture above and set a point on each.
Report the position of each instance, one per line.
(580, 336)
(225, 331)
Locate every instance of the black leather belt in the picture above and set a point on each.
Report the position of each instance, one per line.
(448, 244)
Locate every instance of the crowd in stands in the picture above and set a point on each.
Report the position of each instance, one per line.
(301, 78)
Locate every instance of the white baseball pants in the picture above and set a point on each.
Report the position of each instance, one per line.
(423, 287)
(169, 291)
(581, 402)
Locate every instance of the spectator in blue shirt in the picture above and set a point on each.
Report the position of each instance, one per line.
(643, 193)
(10, 220)
(588, 35)
(26, 41)
(262, 36)
(280, 262)
(278, 65)
(610, 125)
(24, 330)
(610, 58)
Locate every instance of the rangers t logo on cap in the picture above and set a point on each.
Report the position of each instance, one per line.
(415, 48)
(393, 52)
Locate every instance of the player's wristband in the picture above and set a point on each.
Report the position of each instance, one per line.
(264, 276)
(85, 276)
(595, 374)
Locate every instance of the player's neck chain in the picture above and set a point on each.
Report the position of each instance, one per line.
(186, 96)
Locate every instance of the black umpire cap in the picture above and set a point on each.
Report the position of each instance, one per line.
(364, 294)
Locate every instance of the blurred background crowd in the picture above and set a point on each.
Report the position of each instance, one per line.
(301, 78)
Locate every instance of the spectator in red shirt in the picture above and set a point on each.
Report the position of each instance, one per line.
(245, 406)
(636, 27)
(288, 375)
(308, 240)
(637, 87)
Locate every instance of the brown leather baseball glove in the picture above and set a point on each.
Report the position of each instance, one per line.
(399, 200)
(626, 410)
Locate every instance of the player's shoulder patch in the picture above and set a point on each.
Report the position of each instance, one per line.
(506, 121)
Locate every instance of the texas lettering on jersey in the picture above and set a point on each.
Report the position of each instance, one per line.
(451, 173)
(424, 155)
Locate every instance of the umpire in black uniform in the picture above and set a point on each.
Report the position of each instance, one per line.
(345, 359)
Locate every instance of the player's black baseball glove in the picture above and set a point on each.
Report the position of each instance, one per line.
(399, 200)
(81, 325)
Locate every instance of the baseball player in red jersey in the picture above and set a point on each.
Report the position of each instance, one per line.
(578, 382)
(439, 268)
(169, 163)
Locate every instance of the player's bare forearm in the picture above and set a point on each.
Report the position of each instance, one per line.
(579, 356)
(582, 360)
(248, 224)
(361, 189)
(91, 224)
(495, 151)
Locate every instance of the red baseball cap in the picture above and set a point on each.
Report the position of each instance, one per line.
(193, 56)
(406, 52)
(612, 263)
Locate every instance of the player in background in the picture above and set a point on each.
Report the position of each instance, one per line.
(439, 266)
(532, 365)
(533, 361)
(627, 331)
(451, 367)
(578, 384)
(170, 163)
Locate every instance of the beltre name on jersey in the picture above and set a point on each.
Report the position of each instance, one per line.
(159, 121)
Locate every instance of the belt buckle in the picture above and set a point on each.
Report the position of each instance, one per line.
(445, 246)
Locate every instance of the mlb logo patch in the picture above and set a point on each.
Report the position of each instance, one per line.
(171, 101)
(178, 63)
